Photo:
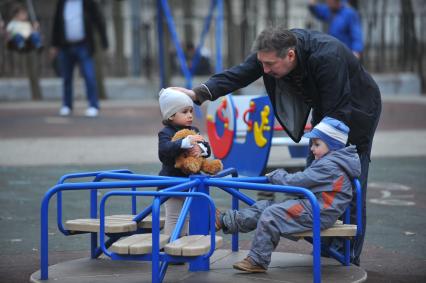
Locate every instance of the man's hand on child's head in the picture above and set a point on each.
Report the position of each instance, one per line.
(188, 92)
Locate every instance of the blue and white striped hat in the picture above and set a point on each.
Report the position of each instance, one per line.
(331, 131)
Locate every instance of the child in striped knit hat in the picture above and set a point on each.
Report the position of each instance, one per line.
(328, 177)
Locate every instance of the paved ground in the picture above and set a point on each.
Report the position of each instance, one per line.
(37, 147)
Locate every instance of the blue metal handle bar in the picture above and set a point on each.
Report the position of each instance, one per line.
(181, 56)
(175, 188)
(225, 172)
(120, 176)
(316, 230)
(89, 174)
(123, 176)
(97, 251)
(358, 190)
(75, 176)
(248, 179)
(156, 205)
(236, 195)
(181, 219)
(82, 186)
(346, 256)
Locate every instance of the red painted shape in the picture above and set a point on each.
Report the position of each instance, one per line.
(220, 145)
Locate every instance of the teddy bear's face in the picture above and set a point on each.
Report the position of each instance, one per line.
(193, 165)
(183, 134)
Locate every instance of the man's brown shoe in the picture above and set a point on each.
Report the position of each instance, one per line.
(249, 265)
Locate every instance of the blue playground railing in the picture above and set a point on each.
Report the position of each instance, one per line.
(198, 186)
(119, 174)
(159, 270)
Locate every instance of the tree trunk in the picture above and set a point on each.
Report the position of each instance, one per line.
(188, 21)
(99, 72)
(120, 60)
(408, 35)
(135, 11)
(234, 46)
(33, 75)
(271, 12)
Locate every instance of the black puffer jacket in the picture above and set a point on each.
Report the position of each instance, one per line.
(334, 84)
(93, 19)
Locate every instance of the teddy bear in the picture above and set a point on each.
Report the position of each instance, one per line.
(193, 165)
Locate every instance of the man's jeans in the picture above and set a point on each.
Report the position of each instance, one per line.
(69, 56)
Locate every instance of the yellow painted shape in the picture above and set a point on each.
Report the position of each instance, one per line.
(259, 138)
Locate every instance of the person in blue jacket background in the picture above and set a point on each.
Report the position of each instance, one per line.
(343, 22)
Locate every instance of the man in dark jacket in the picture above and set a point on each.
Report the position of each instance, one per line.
(304, 70)
(73, 35)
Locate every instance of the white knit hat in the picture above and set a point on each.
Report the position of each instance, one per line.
(172, 101)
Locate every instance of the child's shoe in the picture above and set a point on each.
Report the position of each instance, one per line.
(249, 265)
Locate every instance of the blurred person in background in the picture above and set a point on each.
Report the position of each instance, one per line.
(20, 32)
(343, 22)
(73, 40)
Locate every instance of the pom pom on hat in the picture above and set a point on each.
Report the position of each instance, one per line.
(172, 101)
(331, 131)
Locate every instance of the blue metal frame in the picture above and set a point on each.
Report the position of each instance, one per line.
(86, 186)
(163, 9)
(158, 271)
(119, 174)
(198, 186)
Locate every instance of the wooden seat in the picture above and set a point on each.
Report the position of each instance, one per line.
(337, 230)
(113, 224)
(193, 245)
(137, 244)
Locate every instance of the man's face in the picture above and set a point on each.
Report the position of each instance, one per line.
(334, 5)
(275, 66)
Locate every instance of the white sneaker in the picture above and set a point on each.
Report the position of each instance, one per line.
(65, 111)
(91, 112)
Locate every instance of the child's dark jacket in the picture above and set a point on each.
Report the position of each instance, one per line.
(168, 150)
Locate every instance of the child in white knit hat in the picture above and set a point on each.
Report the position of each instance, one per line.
(177, 112)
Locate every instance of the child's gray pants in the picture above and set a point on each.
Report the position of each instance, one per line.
(272, 220)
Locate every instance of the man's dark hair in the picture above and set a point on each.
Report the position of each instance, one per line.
(278, 39)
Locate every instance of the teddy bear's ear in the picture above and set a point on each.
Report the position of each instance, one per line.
(182, 134)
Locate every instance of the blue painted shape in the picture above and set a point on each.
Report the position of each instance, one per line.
(298, 151)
